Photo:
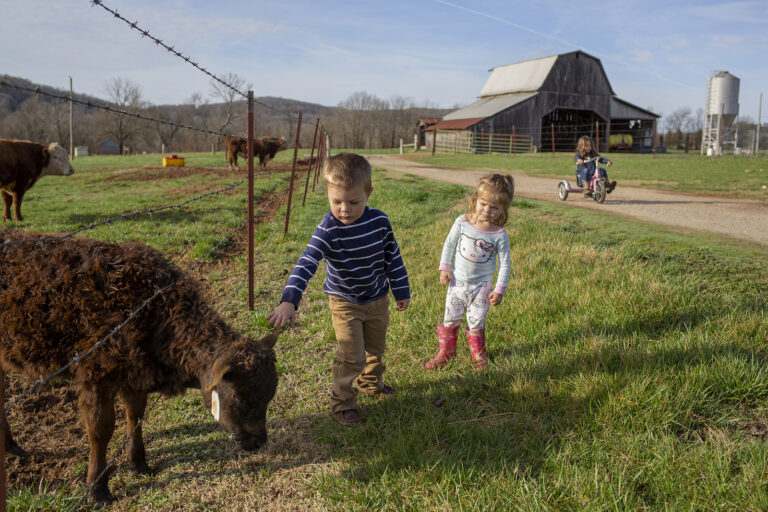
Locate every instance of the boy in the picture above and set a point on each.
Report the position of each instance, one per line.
(363, 262)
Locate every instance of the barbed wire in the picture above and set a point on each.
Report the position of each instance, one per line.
(123, 216)
(145, 33)
(90, 104)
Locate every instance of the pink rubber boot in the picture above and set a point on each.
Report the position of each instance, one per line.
(447, 337)
(476, 341)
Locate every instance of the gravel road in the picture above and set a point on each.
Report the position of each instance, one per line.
(746, 219)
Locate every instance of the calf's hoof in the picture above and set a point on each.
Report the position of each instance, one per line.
(100, 497)
(142, 469)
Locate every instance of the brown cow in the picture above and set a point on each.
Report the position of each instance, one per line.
(266, 148)
(22, 163)
(235, 146)
(58, 299)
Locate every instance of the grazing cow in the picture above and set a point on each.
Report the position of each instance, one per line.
(58, 299)
(22, 163)
(235, 146)
(266, 148)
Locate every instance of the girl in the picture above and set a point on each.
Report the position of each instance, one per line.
(585, 171)
(476, 239)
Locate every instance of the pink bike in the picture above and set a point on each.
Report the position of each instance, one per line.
(597, 185)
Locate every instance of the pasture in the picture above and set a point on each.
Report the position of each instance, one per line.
(627, 363)
(731, 175)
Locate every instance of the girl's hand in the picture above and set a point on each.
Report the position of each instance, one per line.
(402, 304)
(496, 298)
(283, 314)
(580, 161)
(445, 277)
(609, 163)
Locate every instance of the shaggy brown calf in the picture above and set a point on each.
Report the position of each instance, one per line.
(22, 163)
(235, 146)
(58, 299)
(266, 149)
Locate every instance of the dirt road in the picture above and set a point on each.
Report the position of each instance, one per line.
(746, 219)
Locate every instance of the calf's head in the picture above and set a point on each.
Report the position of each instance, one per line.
(56, 161)
(238, 387)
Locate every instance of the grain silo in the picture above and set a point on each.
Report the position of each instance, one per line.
(721, 111)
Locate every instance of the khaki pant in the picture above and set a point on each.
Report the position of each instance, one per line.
(361, 331)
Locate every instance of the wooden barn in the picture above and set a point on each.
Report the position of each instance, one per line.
(546, 103)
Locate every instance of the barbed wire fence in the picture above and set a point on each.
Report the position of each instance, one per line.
(248, 223)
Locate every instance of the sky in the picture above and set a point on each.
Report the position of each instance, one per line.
(657, 54)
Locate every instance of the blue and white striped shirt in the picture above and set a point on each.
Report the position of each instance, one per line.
(362, 259)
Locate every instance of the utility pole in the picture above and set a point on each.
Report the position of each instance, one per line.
(71, 122)
(759, 115)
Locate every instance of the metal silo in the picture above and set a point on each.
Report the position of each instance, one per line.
(721, 110)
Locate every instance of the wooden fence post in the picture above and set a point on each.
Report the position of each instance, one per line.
(597, 136)
(434, 142)
(553, 140)
(3, 426)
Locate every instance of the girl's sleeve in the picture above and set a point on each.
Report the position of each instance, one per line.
(449, 247)
(505, 263)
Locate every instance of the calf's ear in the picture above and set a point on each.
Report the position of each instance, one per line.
(220, 367)
(270, 339)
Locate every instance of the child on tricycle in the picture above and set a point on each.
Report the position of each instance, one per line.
(590, 179)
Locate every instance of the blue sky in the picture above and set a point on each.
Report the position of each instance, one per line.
(657, 54)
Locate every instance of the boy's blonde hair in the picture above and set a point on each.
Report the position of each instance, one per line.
(581, 146)
(500, 188)
(348, 170)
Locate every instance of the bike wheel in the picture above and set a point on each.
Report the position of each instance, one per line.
(599, 192)
(562, 192)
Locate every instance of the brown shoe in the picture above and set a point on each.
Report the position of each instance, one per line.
(384, 392)
(348, 417)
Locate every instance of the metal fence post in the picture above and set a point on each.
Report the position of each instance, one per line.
(250, 200)
(293, 174)
(309, 166)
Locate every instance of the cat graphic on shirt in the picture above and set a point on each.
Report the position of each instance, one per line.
(475, 250)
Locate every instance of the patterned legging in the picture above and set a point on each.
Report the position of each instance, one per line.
(469, 297)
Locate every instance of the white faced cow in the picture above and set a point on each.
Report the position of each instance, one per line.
(22, 163)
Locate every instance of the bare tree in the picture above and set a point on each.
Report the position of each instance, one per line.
(676, 122)
(232, 111)
(124, 95)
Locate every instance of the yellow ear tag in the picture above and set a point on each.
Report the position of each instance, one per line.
(215, 407)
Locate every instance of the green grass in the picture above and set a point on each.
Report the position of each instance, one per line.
(732, 175)
(628, 372)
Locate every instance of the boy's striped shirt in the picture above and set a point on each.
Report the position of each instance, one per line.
(362, 259)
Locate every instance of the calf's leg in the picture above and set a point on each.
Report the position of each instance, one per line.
(10, 444)
(17, 197)
(135, 404)
(7, 201)
(97, 407)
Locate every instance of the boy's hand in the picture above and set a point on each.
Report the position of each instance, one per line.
(496, 298)
(283, 314)
(402, 304)
(445, 277)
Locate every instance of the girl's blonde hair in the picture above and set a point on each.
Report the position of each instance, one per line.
(581, 146)
(500, 188)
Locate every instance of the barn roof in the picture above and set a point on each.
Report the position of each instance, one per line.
(455, 124)
(487, 107)
(526, 76)
(622, 109)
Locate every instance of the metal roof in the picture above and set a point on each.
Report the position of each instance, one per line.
(486, 107)
(622, 109)
(454, 124)
(526, 76)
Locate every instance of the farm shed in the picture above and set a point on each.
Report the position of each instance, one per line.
(524, 105)
(109, 147)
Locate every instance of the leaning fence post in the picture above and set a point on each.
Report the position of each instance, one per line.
(293, 174)
(309, 166)
(250, 201)
(320, 150)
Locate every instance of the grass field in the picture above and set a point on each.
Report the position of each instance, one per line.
(731, 175)
(628, 367)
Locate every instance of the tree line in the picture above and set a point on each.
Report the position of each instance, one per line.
(360, 121)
